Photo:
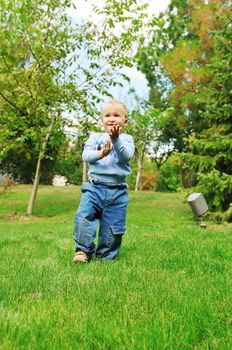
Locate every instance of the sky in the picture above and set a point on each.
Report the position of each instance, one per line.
(138, 81)
(83, 7)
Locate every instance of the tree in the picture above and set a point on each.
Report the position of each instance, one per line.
(173, 26)
(197, 63)
(35, 91)
(199, 68)
(151, 130)
(141, 128)
(211, 149)
(42, 73)
(175, 60)
(162, 144)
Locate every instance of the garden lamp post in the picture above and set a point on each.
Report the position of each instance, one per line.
(199, 206)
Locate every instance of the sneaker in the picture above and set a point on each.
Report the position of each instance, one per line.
(81, 257)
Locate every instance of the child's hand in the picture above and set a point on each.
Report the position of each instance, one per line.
(114, 132)
(106, 150)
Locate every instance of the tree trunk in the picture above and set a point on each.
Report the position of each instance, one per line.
(158, 179)
(38, 168)
(84, 172)
(183, 178)
(139, 175)
(159, 163)
(188, 178)
(35, 187)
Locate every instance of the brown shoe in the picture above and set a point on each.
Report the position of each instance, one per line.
(81, 257)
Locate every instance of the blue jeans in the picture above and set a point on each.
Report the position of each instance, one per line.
(105, 206)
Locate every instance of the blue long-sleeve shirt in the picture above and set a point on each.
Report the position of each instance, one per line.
(114, 167)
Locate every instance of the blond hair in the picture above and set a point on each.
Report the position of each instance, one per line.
(112, 102)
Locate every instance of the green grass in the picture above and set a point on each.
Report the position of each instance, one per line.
(170, 287)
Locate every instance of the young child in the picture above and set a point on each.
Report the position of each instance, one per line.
(105, 197)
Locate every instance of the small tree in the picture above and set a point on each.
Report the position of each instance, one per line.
(141, 123)
(159, 153)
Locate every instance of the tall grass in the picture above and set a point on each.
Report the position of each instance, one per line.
(170, 287)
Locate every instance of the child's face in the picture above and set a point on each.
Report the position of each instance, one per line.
(114, 115)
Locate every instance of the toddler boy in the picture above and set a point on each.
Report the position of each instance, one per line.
(105, 197)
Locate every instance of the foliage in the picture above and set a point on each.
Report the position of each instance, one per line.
(175, 62)
(195, 54)
(141, 127)
(20, 163)
(147, 174)
(212, 147)
(69, 163)
(172, 27)
(152, 134)
(42, 74)
(169, 179)
(217, 188)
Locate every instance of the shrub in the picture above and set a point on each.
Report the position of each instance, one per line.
(169, 178)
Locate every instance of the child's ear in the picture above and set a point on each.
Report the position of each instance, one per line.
(126, 120)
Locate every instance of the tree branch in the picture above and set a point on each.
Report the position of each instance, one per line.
(17, 81)
(30, 49)
(11, 103)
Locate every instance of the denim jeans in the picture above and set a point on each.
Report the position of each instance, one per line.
(104, 207)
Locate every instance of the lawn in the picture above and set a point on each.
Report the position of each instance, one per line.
(170, 287)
